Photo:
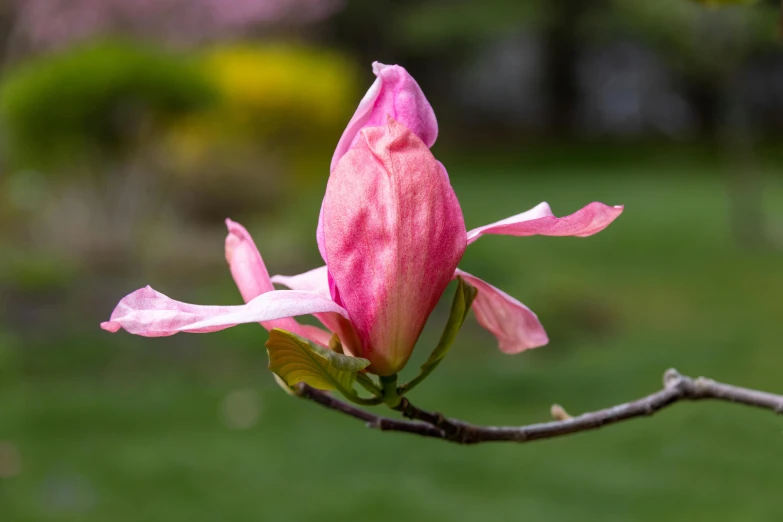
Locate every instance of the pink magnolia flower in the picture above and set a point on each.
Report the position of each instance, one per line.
(391, 233)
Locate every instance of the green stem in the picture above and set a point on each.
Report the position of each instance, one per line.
(463, 299)
(366, 382)
(374, 401)
(352, 396)
(408, 386)
(390, 394)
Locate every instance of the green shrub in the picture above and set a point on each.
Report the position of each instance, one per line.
(94, 102)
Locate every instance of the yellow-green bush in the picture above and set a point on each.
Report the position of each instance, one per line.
(276, 97)
(284, 83)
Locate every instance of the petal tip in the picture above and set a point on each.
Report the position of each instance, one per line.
(536, 341)
(377, 67)
(235, 228)
(236, 235)
(543, 340)
(110, 326)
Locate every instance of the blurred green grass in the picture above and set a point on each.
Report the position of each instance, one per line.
(117, 428)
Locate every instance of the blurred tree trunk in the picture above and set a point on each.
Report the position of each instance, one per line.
(725, 123)
(562, 44)
(705, 95)
(364, 30)
(745, 183)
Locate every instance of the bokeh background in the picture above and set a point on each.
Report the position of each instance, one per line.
(130, 130)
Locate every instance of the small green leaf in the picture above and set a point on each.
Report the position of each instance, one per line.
(296, 360)
(459, 310)
(460, 307)
(284, 385)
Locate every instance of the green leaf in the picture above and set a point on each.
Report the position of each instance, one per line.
(460, 307)
(459, 310)
(284, 385)
(296, 360)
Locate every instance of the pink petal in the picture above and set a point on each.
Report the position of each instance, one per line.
(151, 314)
(245, 262)
(319, 234)
(316, 281)
(395, 93)
(393, 233)
(514, 324)
(319, 237)
(252, 278)
(539, 220)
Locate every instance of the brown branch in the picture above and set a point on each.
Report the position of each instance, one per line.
(371, 420)
(676, 388)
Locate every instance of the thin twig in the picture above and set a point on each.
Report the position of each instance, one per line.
(676, 388)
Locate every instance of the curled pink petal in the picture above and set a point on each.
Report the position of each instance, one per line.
(540, 221)
(395, 93)
(245, 262)
(110, 326)
(149, 313)
(516, 327)
(319, 235)
(393, 233)
(316, 281)
(252, 278)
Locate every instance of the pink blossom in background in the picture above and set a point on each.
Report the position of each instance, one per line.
(391, 233)
(46, 24)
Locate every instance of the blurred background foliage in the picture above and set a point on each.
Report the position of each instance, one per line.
(94, 102)
(130, 130)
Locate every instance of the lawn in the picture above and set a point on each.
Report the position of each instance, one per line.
(193, 428)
